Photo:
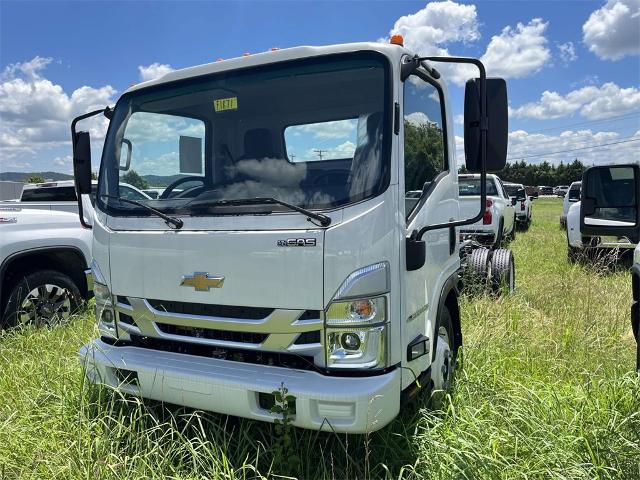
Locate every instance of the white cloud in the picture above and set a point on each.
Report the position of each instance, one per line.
(567, 52)
(592, 102)
(417, 118)
(524, 144)
(437, 23)
(36, 114)
(514, 53)
(613, 31)
(153, 71)
(519, 52)
(335, 129)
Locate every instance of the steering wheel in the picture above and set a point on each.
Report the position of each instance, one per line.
(329, 173)
(180, 181)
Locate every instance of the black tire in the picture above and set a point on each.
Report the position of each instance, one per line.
(503, 272)
(445, 327)
(479, 268)
(498, 241)
(512, 237)
(56, 298)
(573, 253)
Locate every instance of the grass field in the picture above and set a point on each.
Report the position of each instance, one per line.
(548, 390)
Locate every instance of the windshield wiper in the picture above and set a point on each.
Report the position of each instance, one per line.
(324, 220)
(172, 222)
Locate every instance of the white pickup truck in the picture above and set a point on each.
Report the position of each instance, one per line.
(609, 212)
(604, 218)
(523, 205)
(499, 220)
(572, 196)
(61, 196)
(44, 261)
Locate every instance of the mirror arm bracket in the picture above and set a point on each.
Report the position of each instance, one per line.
(484, 126)
(108, 112)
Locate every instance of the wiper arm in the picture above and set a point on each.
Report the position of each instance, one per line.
(172, 222)
(324, 220)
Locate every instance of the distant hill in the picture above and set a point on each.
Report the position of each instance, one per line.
(22, 176)
(161, 180)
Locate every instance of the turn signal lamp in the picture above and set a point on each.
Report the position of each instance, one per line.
(396, 40)
(274, 49)
(246, 54)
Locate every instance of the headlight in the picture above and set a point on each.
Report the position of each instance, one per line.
(356, 348)
(356, 333)
(105, 315)
(357, 312)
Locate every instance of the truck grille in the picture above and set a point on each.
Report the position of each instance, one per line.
(287, 360)
(209, 310)
(224, 335)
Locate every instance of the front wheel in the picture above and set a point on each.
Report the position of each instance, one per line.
(444, 366)
(42, 298)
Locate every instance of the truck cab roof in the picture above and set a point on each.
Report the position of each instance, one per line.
(273, 56)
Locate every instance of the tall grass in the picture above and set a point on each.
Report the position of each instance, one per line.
(547, 391)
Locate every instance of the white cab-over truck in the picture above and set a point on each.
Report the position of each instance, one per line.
(602, 221)
(498, 221)
(44, 265)
(609, 208)
(287, 255)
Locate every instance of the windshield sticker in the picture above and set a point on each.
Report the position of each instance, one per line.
(223, 104)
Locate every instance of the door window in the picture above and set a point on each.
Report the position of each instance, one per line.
(424, 142)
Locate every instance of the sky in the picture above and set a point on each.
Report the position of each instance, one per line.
(572, 67)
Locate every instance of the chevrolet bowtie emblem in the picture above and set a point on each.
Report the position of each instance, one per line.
(201, 281)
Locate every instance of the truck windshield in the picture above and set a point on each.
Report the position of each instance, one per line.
(313, 133)
(471, 187)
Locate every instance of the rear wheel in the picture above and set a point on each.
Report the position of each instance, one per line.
(503, 272)
(479, 270)
(444, 366)
(42, 298)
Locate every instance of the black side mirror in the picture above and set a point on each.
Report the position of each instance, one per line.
(532, 197)
(82, 162)
(609, 201)
(498, 125)
(521, 195)
(514, 200)
(127, 162)
(416, 254)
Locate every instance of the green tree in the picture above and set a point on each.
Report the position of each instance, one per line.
(35, 178)
(423, 153)
(133, 178)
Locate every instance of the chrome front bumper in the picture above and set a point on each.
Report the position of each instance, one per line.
(342, 404)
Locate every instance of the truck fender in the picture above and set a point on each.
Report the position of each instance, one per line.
(39, 250)
(448, 297)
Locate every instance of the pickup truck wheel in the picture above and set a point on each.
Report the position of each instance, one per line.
(573, 253)
(444, 365)
(512, 237)
(42, 298)
(498, 241)
(503, 272)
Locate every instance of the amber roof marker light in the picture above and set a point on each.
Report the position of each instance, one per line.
(397, 40)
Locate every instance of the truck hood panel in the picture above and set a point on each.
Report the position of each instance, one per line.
(257, 271)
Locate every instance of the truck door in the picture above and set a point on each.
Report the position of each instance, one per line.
(430, 190)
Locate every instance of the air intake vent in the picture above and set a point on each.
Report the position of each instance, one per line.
(122, 299)
(308, 337)
(124, 318)
(310, 315)
(209, 310)
(211, 334)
